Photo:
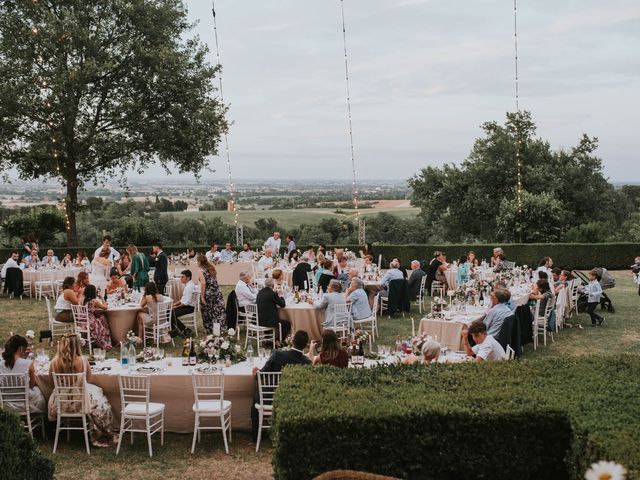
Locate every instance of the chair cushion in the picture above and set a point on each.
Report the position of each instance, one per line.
(211, 406)
(140, 408)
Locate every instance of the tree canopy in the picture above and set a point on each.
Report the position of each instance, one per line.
(89, 89)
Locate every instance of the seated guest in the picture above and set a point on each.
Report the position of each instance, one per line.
(415, 279)
(498, 312)
(334, 296)
(69, 359)
(541, 291)
(545, 265)
(13, 363)
(148, 316)
(366, 250)
(462, 274)
(294, 257)
(123, 266)
(185, 306)
(115, 282)
(299, 275)
(353, 273)
(247, 254)
(331, 353)
(32, 260)
(393, 273)
(435, 269)
(278, 278)
(227, 254)
(486, 348)
(82, 261)
(358, 299)
(324, 275)
(430, 352)
(311, 254)
(98, 325)
(500, 265)
(81, 282)
(497, 257)
(268, 302)
(369, 266)
(213, 255)
(340, 270)
(12, 262)
(563, 281)
(555, 276)
(266, 261)
(67, 261)
(472, 258)
(400, 267)
(50, 260)
(67, 298)
(245, 293)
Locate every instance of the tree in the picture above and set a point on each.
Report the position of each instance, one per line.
(89, 89)
(43, 224)
(541, 218)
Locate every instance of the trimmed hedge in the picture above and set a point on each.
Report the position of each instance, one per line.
(582, 256)
(527, 420)
(19, 456)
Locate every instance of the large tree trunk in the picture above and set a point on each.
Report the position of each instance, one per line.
(70, 212)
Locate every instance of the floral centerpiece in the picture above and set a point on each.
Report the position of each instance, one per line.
(132, 340)
(221, 346)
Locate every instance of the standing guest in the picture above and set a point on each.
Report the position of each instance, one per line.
(498, 312)
(67, 261)
(69, 359)
(113, 253)
(563, 281)
(148, 316)
(100, 269)
(635, 269)
(435, 269)
(115, 283)
(273, 242)
(358, 299)
(185, 306)
(159, 260)
(268, 302)
(211, 298)
(247, 254)
(82, 261)
(334, 296)
(331, 354)
(29, 243)
(545, 266)
(98, 325)
(472, 258)
(245, 293)
(139, 267)
(366, 250)
(486, 348)
(415, 279)
(67, 297)
(213, 255)
(325, 275)
(12, 262)
(393, 273)
(50, 259)
(266, 261)
(464, 267)
(81, 282)
(227, 254)
(291, 245)
(594, 290)
(299, 275)
(497, 257)
(14, 363)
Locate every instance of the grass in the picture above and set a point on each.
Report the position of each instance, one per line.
(294, 218)
(619, 334)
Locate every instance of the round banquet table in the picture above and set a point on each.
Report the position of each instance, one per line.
(304, 317)
(122, 319)
(32, 276)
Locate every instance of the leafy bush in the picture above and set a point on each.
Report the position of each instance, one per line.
(19, 456)
(529, 420)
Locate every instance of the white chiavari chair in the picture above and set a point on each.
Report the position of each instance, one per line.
(81, 324)
(372, 320)
(57, 328)
(267, 385)
(44, 285)
(541, 322)
(511, 353)
(71, 405)
(208, 391)
(162, 326)
(257, 332)
(14, 397)
(342, 321)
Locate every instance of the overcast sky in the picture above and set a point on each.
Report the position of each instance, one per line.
(424, 76)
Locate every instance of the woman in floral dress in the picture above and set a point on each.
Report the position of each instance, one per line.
(98, 325)
(139, 268)
(211, 298)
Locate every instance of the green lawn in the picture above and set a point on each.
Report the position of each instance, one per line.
(294, 218)
(619, 333)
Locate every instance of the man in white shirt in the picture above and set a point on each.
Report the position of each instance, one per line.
(213, 255)
(50, 260)
(266, 261)
(245, 294)
(185, 306)
(106, 243)
(486, 348)
(393, 273)
(247, 254)
(12, 262)
(227, 254)
(274, 242)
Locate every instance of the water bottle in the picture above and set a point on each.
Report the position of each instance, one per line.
(250, 355)
(132, 355)
(124, 357)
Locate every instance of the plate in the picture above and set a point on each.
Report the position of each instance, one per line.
(207, 369)
(147, 369)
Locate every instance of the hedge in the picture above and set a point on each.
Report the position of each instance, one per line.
(582, 256)
(19, 456)
(528, 420)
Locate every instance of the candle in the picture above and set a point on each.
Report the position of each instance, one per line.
(370, 343)
(413, 327)
(305, 284)
(216, 329)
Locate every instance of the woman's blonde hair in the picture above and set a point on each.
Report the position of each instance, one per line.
(205, 264)
(132, 250)
(68, 349)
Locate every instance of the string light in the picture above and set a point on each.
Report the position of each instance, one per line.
(519, 187)
(354, 187)
(239, 228)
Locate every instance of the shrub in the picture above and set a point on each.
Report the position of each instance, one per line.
(19, 456)
(544, 419)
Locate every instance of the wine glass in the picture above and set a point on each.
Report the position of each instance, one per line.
(210, 355)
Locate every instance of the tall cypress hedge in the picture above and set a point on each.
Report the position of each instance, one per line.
(527, 420)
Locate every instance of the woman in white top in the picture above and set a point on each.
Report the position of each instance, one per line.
(100, 269)
(67, 298)
(13, 363)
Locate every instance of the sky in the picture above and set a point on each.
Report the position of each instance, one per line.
(424, 75)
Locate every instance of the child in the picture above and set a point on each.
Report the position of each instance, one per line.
(595, 292)
(635, 269)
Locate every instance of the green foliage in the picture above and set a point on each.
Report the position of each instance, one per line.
(466, 203)
(591, 232)
(216, 204)
(116, 85)
(529, 420)
(19, 456)
(42, 223)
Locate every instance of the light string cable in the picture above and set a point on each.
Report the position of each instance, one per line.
(353, 160)
(519, 188)
(226, 138)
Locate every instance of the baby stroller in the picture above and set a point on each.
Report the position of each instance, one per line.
(606, 282)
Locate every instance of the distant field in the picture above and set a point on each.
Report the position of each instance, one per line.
(294, 218)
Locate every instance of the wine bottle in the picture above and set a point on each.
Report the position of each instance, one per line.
(185, 353)
(192, 354)
(360, 353)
